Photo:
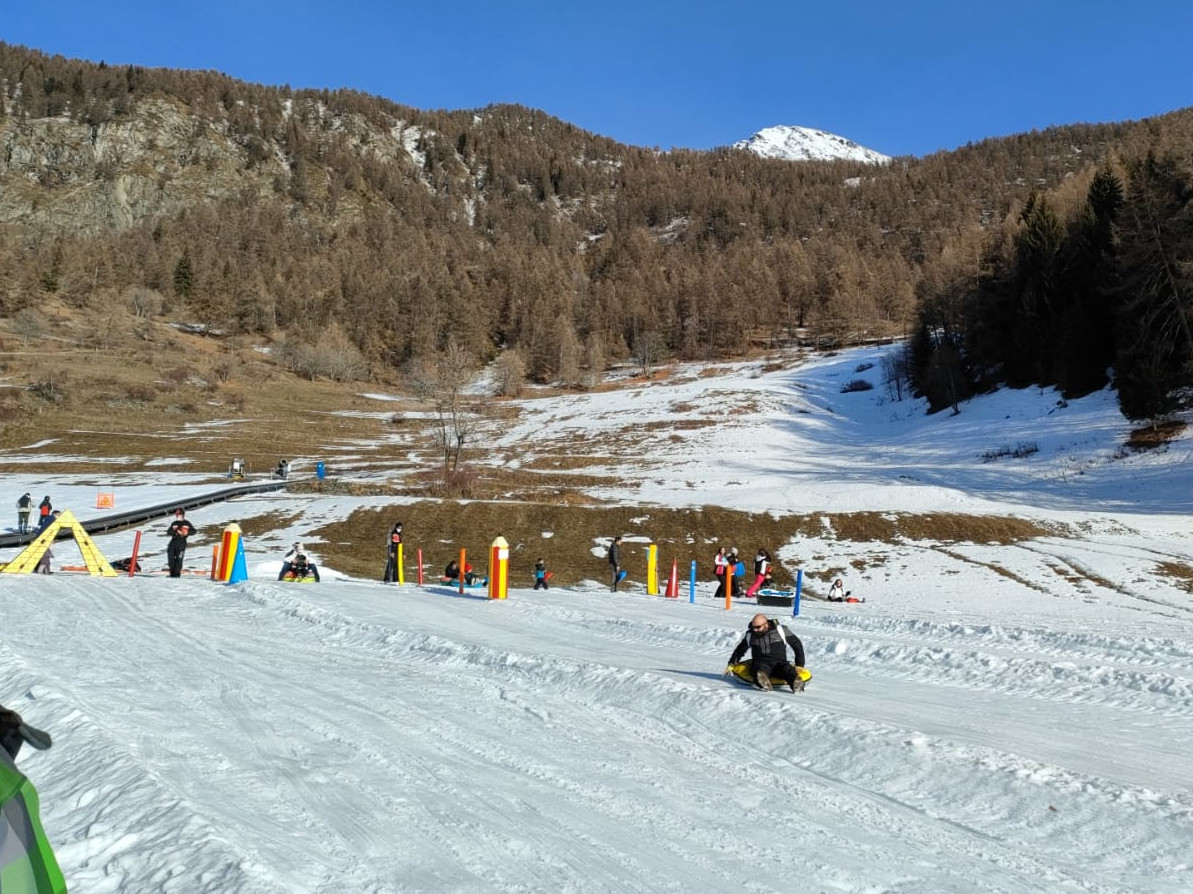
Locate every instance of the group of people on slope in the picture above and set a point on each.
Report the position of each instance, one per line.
(725, 569)
(45, 510)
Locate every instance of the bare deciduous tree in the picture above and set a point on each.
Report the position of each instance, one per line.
(442, 380)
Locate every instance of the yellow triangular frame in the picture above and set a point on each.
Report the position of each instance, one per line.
(26, 562)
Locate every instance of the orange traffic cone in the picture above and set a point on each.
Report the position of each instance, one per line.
(673, 580)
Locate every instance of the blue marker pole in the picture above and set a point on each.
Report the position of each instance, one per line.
(692, 584)
(799, 585)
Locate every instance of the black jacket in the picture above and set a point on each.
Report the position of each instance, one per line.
(769, 646)
(180, 530)
(615, 555)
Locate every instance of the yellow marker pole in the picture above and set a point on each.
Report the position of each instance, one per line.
(499, 562)
(652, 570)
(401, 569)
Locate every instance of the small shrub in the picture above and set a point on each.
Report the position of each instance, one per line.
(856, 385)
(141, 392)
(178, 375)
(862, 367)
(1022, 449)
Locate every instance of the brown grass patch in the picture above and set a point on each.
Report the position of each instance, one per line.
(1150, 437)
(1182, 573)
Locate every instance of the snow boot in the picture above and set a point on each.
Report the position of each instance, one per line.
(762, 681)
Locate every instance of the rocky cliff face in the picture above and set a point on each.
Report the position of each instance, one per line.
(159, 160)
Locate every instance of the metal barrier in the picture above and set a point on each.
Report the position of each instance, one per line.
(120, 520)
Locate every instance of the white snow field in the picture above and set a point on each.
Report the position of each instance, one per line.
(994, 718)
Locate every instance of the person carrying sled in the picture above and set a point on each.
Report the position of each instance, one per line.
(767, 640)
(24, 508)
(391, 561)
(762, 565)
(27, 861)
(179, 530)
(540, 575)
(614, 557)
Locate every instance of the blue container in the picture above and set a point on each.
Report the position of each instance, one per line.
(320, 470)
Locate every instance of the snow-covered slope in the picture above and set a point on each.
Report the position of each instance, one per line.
(807, 144)
(996, 717)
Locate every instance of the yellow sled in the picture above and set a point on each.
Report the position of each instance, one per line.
(744, 673)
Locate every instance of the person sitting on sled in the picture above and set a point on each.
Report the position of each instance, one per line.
(303, 567)
(288, 559)
(452, 571)
(767, 641)
(470, 577)
(837, 592)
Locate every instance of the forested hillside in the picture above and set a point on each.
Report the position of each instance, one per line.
(386, 232)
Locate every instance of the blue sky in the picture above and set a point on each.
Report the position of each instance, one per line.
(904, 78)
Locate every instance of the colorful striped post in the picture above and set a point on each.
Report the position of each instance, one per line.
(499, 562)
(227, 551)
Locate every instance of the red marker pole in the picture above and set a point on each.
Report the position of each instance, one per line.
(132, 563)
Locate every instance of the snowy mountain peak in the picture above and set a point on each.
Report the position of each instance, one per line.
(806, 144)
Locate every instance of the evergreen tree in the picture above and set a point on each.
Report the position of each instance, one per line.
(184, 280)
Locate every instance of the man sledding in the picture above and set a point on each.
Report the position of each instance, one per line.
(767, 640)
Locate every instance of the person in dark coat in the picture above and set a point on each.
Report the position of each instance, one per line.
(391, 564)
(767, 641)
(615, 560)
(24, 508)
(540, 575)
(178, 531)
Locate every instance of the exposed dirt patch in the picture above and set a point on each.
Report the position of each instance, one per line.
(1183, 574)
(1150, 437)
(567, 535)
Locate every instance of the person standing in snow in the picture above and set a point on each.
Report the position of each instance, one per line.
(767, 640)
(540, 575)
(178, 531)
(615, 560)
(727, 564)
(391, 563)
(24, 508)
(762, 565)
(46, 509)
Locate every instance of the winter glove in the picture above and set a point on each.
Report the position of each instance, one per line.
(729, 670)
